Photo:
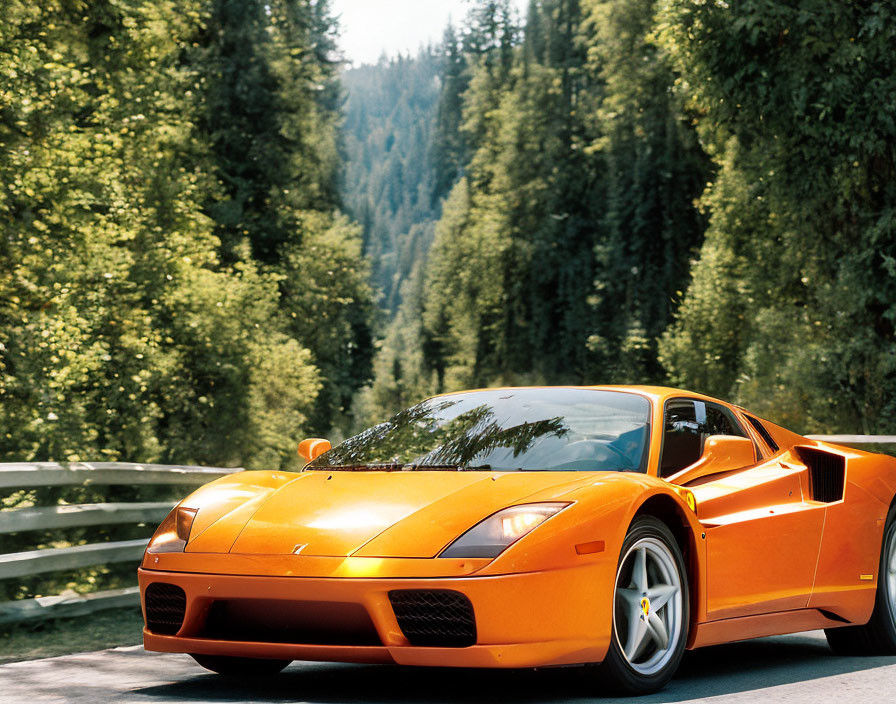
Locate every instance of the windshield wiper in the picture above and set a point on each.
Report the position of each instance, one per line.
(384, 467)
(448, 467)
(399, 467)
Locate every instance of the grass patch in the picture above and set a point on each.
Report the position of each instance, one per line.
(45, 639)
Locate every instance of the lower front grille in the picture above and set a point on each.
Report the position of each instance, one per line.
(434, 617)
(282, 621)
(166, 605)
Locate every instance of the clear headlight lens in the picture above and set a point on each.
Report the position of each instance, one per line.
(490, 537)
(173, 534)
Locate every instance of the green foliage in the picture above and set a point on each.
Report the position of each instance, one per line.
(388, 183)
(401, 375)
(176, 284)
(328, 302)
(555, 253)
(653, 170)
(270, 104)
(170, 255)
(797, 103)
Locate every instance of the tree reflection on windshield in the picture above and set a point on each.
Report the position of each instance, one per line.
(574, 429)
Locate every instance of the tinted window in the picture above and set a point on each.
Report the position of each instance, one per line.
(682, 444)
(505, 429)
(687, 424)
(720, 421)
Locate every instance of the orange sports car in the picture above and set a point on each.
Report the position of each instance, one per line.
(528, 527)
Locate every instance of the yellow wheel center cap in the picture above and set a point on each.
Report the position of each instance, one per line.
(645, 606)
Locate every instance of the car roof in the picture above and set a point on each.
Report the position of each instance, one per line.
(658, 393)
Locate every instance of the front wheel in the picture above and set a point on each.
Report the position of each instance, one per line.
(650, 610)
(240, 667)
(878, 636)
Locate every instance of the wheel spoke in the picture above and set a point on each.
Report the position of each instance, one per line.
(639, 570)
(659, 595)
(632, 599)
(657, 630)
(637, 634)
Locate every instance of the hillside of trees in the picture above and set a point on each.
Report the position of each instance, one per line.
(571, 169)
(698, 194)
(215, 241)
(177, 283)
(388, 182)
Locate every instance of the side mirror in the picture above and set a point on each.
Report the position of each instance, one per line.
(312, 448)
(721, 453)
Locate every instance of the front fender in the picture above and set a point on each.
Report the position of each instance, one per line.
(223, 496)
(602, 512)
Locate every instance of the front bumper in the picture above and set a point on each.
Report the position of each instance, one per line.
(555, 617)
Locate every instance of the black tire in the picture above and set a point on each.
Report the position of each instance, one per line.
(240, 667)
(878, 636)
(616, 672)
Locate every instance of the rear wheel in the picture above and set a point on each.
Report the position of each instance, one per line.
(878, 636)
(240, 667)
(650, 610)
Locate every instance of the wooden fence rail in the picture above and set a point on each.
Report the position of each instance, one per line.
(856, 439)
(17, 520)
(34, 474)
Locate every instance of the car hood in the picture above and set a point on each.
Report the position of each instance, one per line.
(369, 514)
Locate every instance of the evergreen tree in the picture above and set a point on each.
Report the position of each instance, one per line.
(123, 334)
(271, 115)
(449, 150)
(557, 250)
(797, 103)
(653, 169)
(388, 131)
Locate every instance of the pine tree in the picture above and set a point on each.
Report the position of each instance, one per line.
(653, 169)
(271, 113)
(123, 334)
(797, 103)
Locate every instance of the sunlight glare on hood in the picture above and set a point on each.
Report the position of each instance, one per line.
(355, 518)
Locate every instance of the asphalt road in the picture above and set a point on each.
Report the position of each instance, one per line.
(794, 669)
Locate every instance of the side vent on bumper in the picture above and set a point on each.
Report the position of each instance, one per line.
(434, 617)
(827, 473)
(166, 605)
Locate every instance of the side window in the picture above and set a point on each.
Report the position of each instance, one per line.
(720, 421)
(687, 424)
(682, 443)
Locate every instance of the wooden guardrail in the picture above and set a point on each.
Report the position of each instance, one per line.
(17, 520)
(856, 439)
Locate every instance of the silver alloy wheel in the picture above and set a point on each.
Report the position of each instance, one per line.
(647, 609)
(890, 566)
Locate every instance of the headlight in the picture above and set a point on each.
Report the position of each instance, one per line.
(490, 537)
(173, 534)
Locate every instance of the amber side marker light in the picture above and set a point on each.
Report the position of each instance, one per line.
(590, 548)
(688, 497)
(173, 534)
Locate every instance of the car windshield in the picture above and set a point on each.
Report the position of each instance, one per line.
(505, 429)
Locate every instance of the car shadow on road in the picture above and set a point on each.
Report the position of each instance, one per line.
(720, 670)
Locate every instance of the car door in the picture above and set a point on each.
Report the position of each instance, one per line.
(762, 537)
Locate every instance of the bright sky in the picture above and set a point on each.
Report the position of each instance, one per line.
(370, 27)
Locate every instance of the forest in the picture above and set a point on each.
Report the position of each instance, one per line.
(643, 191)
(216, 241)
